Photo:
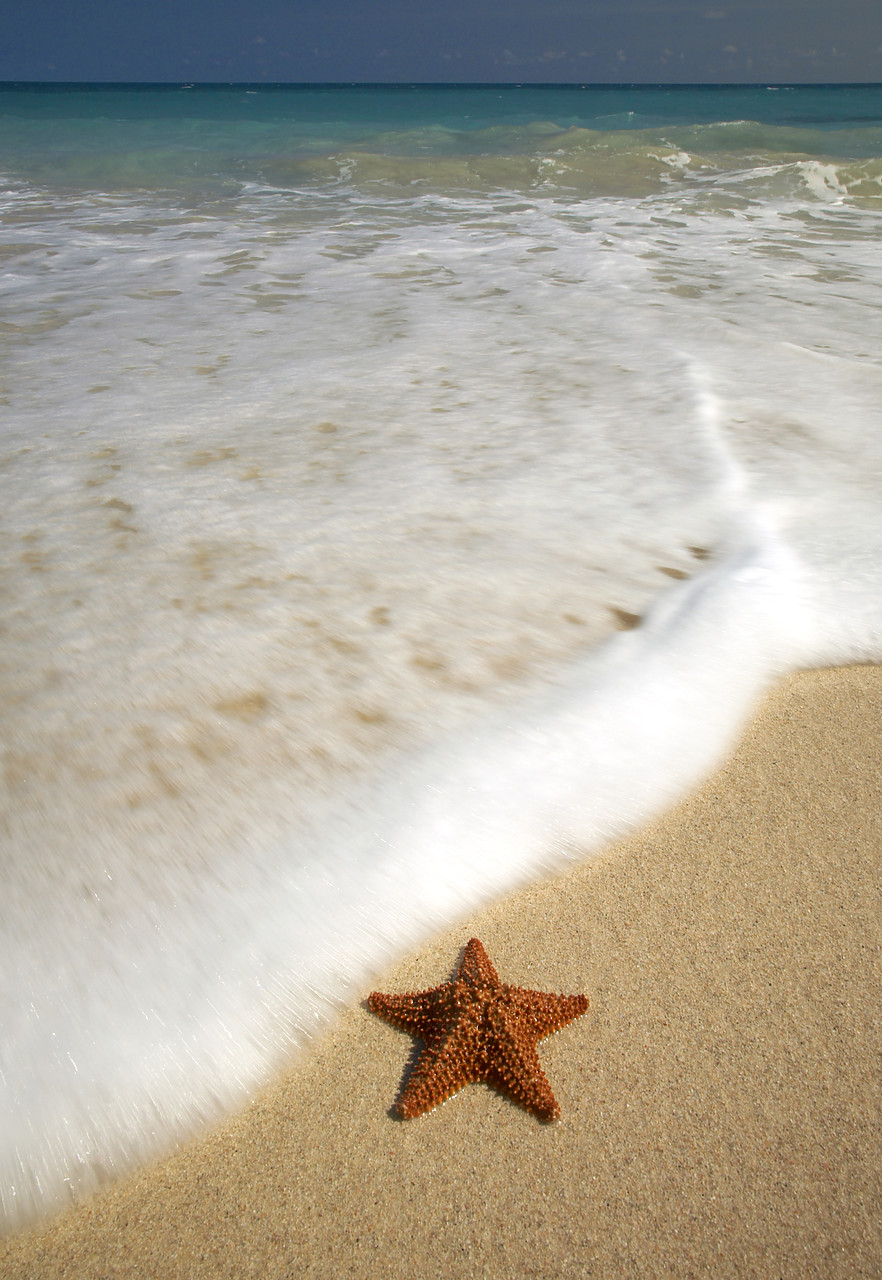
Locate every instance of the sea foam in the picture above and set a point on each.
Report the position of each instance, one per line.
(136, 1019)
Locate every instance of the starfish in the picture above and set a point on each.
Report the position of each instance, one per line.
(476, 1028)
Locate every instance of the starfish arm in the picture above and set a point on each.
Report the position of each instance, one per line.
(514, 1067)
(543, 1011)
(416, 1012)
(475, 967)
(442, 1069)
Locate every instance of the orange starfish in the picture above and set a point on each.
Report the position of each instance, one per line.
(478, 1028)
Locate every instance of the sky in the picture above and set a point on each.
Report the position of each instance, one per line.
(460, 41)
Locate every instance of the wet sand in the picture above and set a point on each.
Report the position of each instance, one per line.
(721, 1100)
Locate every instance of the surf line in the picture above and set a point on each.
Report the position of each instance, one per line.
(166, 1022)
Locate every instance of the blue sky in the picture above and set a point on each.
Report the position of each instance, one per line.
(554, 41)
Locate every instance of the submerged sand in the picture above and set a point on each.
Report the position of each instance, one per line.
(721, 1099)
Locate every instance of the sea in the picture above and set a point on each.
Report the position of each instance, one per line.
(406, 491)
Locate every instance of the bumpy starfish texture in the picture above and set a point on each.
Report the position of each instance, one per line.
(476, 1028)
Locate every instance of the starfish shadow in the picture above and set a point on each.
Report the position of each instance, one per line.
(416, 1051)
(413, 1058)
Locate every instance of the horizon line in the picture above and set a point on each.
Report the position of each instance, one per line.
(450, 84)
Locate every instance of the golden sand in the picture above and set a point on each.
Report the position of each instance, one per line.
(721, 1099)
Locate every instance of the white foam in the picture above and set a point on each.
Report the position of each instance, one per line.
(823, 180)
(135, 1019)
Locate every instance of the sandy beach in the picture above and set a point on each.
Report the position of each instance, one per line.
(720, 1099)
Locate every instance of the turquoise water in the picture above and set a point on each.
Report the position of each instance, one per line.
(576, 138)
(454, 107)
(404, 492)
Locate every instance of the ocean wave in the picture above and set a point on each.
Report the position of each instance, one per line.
(197, 159)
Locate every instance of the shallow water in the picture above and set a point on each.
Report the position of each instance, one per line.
(344, 433)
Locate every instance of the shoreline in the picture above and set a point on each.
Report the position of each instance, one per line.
(720, 1098)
